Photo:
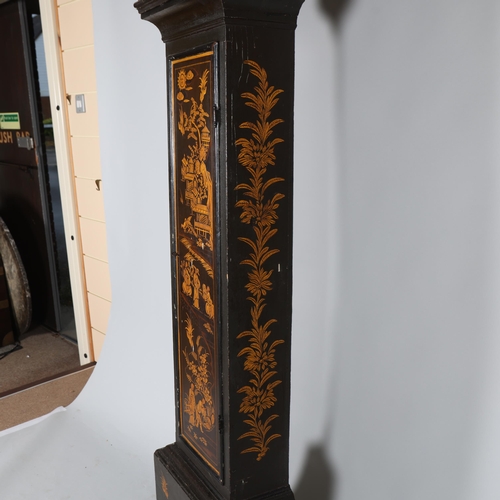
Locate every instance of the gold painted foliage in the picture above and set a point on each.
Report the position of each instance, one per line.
(260, 211)
(198, 403)
(164, 486)
(194, 123)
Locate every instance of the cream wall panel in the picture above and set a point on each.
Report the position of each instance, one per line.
(98, 341)
(99, 312)
(84, 124)
(90, 201)
(94, 239)
(79, 70)
(75, 21)
(86, 157)
(97, 274)
(76, 35)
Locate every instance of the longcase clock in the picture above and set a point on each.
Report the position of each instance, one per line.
(230, 75)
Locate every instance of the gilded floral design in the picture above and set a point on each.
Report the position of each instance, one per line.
(182, 82)
(199, 403)
(259, 210)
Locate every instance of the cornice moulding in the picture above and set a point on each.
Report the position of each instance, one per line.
(174, 17)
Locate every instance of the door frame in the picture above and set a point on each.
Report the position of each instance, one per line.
(62, 140)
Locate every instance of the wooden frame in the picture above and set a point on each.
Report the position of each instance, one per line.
(48, 15)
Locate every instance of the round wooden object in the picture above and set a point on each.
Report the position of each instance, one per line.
(17, 281)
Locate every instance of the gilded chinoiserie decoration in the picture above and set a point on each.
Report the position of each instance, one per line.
(199, 404)
(259, 209)
(198, 194)
(196, 263)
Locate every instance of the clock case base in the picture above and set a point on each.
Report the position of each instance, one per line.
(176, 479)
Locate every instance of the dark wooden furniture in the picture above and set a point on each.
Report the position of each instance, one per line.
(25, 198)
(230, 66)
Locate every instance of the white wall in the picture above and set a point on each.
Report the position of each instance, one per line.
(136, 364)
(395, 326)
(417, 336)
(315, 232)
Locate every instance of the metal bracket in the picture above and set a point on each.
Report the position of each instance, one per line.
(25, 143)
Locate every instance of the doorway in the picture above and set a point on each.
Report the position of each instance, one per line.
(30, 202)
(67, 318)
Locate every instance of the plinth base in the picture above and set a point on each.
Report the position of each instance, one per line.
(176, 479)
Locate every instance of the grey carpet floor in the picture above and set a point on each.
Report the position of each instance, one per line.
(41, 399)
(44, 355)
(40, 377)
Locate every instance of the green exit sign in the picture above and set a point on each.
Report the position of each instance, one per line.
(10, 121)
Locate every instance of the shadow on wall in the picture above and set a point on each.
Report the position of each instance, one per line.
(317, 480)
(335, 9)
